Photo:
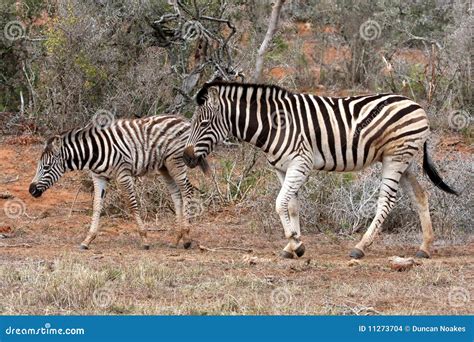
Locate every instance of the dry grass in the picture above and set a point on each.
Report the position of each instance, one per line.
(224, 284)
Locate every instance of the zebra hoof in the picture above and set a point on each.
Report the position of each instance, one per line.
(286, 255)
(422, 254)
(146, 247)
(187, 244)
(300, 250)
(83, 247)
(356, 253)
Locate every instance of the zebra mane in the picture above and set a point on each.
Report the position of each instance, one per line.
(62, 135)
(201, 96)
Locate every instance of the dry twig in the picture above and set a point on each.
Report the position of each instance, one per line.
(216, 249)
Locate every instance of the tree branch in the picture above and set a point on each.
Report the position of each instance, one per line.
(272, 26)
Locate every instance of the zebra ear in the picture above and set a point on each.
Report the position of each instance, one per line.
(213, 97)
(53, 144)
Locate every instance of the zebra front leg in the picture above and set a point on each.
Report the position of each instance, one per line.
(392, 171)
(191, 209)
(126, 181)
(100, 184)
(288, 209)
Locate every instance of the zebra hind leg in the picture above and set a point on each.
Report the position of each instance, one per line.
(177, 171)
(178, 202)
(126, 181)
(100, 184)
(419, 198)
(392, 170)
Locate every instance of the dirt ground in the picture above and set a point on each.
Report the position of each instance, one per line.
(42, 270)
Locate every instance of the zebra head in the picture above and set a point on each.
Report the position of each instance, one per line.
(208, 126)
(50, 167)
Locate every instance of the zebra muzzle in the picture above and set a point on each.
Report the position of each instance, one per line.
(189, 158)
(34, 191)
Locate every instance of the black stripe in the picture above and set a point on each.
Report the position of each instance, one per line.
(347, 112)
(95, 147)
(305, 115)
(262, 137)
(369, 117)
(405, 134)
(271, 111)
(329, 130)
(342, 130)
(316, 126)
(395, 117)
(358, 106)
(87, 152)
(253, 124)
(101, 142)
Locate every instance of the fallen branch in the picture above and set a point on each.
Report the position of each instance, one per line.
(74, 202)
(25, 245)
(5, 195)
(216, 249)
(11, 180)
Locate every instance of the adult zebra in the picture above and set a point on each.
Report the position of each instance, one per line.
(300, 132)
(123, 149)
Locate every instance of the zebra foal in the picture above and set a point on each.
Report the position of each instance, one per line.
(125, 149)
(301, 132)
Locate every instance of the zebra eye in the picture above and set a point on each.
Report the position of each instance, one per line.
(205, 123)
(46, 167)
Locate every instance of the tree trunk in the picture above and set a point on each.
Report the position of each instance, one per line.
(272, 26)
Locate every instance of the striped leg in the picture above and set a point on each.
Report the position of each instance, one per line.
(392, 171)
(177, 170)
(287, 207)
(100, 184)
(126, 181)
(175, 194)
(419, 197)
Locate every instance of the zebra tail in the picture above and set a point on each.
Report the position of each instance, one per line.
(433, 174)
(203, 165)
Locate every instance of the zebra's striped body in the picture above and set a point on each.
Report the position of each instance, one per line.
(333, 134)
(124, 149)
(301, 132)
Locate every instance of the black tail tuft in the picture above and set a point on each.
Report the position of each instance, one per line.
(433, 175)
(203, 165)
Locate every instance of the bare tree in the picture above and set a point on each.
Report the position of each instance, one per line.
(272, 27)
(196, 39)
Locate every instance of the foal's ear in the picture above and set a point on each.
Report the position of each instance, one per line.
(213, 97)
(53, 144)
(208, 94)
